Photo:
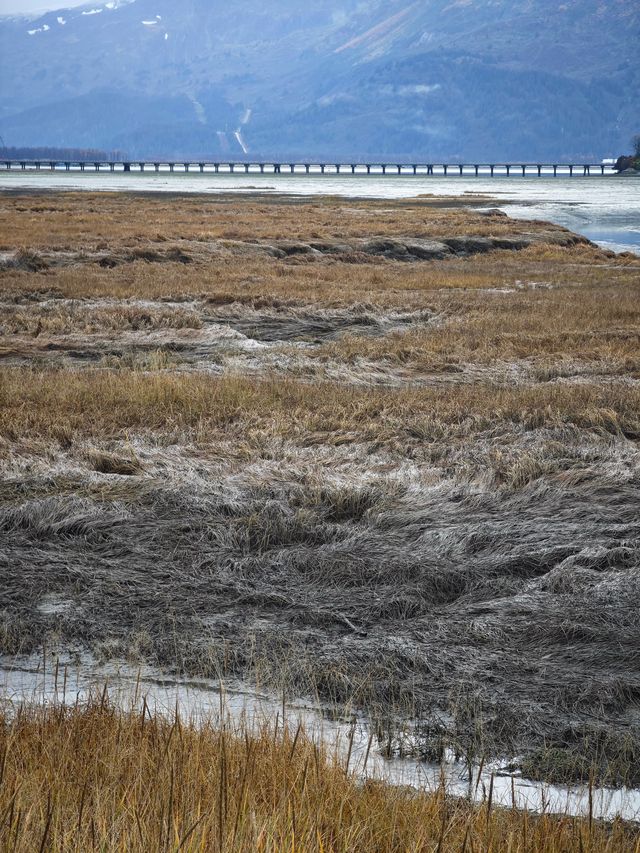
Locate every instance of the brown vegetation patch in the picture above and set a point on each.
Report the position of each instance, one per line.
(65, 403)
(113, 463)
(95, 778)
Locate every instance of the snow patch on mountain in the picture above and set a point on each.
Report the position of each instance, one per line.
(241, 142)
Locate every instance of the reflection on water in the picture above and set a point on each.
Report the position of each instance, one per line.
(607, 210)
(59, 681)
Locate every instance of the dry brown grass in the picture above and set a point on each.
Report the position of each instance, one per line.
(139, 226)
(95, 779)
(569, 311)
(583, 323)
(325, 281)
(80, 219)
(82, 319)
(62, 405)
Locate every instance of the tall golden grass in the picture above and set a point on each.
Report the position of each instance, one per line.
(98, 779)
(62, 405)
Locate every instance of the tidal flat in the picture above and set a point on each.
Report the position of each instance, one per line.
(382, 453)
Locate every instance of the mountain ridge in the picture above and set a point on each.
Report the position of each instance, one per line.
(479, 78)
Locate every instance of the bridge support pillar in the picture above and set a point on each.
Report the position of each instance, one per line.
(555, 170)
(38, 166)
(262, 168)
(141, 165)
(127, 167)
(587, 171)
(508, 168)
(276, 169)
(292, 168)
(186, 167)
(493, 168)
(539, 170)
(23, 166)
(602, 170)
(353, 169)
(477, 168)
(524, 171)
(570, 171)
(52, 166)
(399, 168)
(172, 166)
(82, 167)
(232, 167)
(67, 166)
(415, 169)
(96, 166)
(112, 167)
(384, 169)
(446, 169)
(461, 168)
(201, 166)
(322, 168)
(429, 169)
(368, 169)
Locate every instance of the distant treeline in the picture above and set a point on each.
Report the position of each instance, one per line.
(88, 155)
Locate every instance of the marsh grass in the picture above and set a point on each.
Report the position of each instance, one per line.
(97, 779)
(583, 324)
(139, 230)
(64, 405)
(101, 220)
(80, 319)
(386, 547)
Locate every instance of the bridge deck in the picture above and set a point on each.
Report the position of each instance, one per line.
(317, 167)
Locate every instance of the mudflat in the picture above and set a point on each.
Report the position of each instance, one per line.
(383, 453)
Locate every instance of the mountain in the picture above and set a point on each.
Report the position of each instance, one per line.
(434, 79)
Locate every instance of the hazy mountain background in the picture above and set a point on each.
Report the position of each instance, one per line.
(436, 79)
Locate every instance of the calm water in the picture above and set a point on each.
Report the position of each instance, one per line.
(607, 210)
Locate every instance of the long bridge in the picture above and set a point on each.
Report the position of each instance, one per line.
(322, 168)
